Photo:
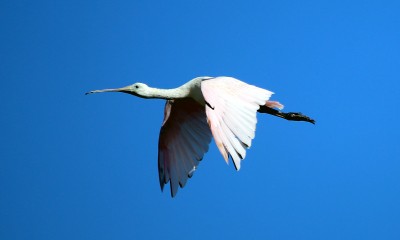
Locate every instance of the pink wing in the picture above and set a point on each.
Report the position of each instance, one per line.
(184, 138)
(231, 110)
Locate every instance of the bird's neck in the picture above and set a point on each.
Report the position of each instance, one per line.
(190, 89)
(173, 93)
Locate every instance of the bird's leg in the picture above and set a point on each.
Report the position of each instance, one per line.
(291, 116)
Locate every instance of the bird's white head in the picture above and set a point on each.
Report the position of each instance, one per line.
(136, 89)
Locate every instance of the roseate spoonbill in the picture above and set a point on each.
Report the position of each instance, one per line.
(221, 107)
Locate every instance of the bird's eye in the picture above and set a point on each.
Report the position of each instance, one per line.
(136, 86)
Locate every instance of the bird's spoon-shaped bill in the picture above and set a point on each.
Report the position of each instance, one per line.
(109, 90)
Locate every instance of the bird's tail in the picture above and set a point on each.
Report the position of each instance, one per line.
(274, 104)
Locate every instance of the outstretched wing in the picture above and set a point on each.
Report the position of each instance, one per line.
(184, 138)
(231, 110)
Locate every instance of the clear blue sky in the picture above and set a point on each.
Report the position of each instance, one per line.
(85, 167)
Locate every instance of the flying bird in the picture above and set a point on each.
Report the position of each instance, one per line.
(221, 107)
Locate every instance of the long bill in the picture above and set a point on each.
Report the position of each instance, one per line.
(123, 89)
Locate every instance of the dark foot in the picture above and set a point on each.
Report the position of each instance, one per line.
(291, 116)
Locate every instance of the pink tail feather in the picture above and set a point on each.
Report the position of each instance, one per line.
(274, 104)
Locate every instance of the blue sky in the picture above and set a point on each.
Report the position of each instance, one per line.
(85, 167)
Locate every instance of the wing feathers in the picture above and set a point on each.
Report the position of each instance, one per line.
(184, 138)
(229, 116)
(232, 118)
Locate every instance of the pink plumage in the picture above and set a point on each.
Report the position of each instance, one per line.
(185, 134)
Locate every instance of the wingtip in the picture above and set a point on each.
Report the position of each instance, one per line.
(236, 164)
(173, 193)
